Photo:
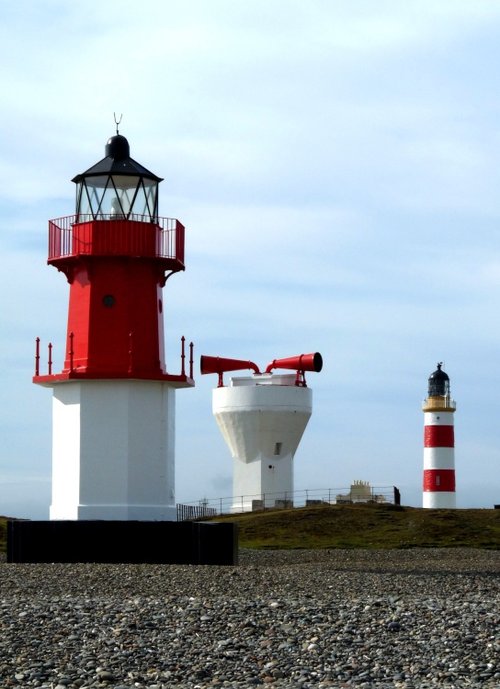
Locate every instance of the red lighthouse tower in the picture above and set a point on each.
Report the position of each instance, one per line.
(113, 401)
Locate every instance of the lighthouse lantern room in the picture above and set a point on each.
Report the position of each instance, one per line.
(113, 402)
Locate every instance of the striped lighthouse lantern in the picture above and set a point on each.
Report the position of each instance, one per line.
(439, 443)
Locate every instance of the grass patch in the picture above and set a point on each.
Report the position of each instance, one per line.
(359, 526)
(368, 526)
(3, 535)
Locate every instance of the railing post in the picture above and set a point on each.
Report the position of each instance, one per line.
(37, 356)
(50, 358)
(183, 356)
(51, 241)
(191, 349)
(179, 241)
(158, 239)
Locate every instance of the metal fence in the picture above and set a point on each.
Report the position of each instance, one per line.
(189, 512)
(356, 493)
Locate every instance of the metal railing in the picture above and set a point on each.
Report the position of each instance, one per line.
(76, 235)
(299, 498)
(439, 402)
(185, 369)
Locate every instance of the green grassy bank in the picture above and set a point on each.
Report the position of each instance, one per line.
(368, 526)
(361, 526)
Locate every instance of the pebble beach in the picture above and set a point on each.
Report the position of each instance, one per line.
(409, 619)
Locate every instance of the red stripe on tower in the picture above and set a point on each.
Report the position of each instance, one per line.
(439, 436)
(439, 443)
(439, 480)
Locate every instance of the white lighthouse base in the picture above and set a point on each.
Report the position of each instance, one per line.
(262, 419)
(113, 450)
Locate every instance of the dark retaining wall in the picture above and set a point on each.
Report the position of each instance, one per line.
(184, 543)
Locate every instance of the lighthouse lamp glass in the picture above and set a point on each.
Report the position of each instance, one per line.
(109, 197)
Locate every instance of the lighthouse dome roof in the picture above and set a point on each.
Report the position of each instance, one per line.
(117, 147)
(439, 382)
(439, 374)
(117, 161)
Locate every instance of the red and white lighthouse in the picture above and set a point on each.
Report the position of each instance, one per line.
(114, 401)
(439, 443)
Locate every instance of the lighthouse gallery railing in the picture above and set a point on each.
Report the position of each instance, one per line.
(76, 235)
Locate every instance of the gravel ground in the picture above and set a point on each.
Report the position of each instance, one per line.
(390, 619)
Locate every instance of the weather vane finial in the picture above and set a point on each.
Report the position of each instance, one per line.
(117, 121)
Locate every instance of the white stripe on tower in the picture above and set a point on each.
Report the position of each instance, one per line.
(439, 443)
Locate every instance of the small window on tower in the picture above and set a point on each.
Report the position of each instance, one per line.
(438, 480)
(160, 306)
(108, 300)
(277, 449)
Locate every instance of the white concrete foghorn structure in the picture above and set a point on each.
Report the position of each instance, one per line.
(439, 444)
(262, 419)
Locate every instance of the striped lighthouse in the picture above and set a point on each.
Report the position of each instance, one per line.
(439, 443)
